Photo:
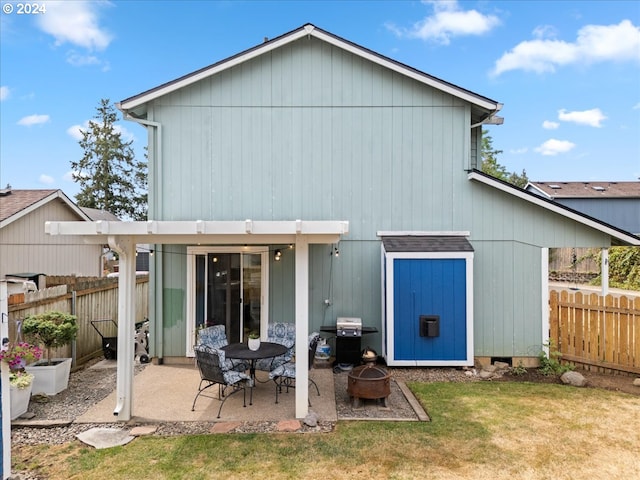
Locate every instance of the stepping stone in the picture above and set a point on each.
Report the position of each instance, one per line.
(288, 426)
(224, 427)
(104, 437)
(141, 431)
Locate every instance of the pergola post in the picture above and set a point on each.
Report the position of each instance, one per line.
(126, 249)
(302, 325)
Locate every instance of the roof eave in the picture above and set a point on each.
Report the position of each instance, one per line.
(615, 233)
(490, 107)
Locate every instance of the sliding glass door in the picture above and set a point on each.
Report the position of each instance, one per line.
(228, 288)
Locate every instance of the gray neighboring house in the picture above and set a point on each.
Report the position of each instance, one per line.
(25, 248)
(615, 203)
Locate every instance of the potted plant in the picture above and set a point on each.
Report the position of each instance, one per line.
(254, 340)
(17, 356)
(52, 330)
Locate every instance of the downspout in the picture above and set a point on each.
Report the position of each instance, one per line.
(126, 249)
(156, 275)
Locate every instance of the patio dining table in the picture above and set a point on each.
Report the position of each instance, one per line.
(240, 351)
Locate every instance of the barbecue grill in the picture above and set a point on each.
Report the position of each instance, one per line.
(349, 327)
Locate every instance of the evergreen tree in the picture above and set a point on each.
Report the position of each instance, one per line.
(490, 164)
(110, 177)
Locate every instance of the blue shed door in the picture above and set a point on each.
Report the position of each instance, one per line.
(432, 287)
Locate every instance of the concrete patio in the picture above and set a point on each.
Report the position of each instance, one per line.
(165, 393)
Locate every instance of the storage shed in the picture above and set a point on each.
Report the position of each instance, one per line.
(428, 299)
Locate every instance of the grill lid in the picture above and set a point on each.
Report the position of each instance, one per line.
(349, 327)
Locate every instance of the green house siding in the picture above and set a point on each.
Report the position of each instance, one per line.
(311, 131)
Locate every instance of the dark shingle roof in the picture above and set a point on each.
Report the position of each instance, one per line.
(426, 243)
(589, 189)
(14, 201)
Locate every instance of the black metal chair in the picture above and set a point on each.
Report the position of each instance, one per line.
(211, 364)
(285, 374)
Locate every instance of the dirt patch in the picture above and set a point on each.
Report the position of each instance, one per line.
(613, 382)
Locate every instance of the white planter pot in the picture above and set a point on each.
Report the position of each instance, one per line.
(50, 379)
(19, 400)
(254, 344)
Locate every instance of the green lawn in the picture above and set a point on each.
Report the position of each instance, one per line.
(478, 430)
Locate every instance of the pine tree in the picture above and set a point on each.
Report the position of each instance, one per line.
(109, 175)
(490, 164)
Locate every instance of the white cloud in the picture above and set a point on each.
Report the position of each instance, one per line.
(594, 43)
(519, 151)
(75, 22)
(448, 21)
(4, 93)
(592, 118)
(74, 131)
(33, 120)
(636, 106)
(78, 60)
(46, 179)
(549, 125)
(554, 147)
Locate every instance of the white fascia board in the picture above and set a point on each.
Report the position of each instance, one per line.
(432, 82)
(310, 30)
(43, 201)
(418, 233)
(556, 208)
(538, 189)
(207, 72)
(212, 232)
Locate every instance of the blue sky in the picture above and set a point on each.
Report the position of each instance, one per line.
(567, 72)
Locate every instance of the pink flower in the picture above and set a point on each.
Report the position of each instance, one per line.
(20, 354)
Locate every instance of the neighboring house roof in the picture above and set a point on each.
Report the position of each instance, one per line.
(15, 204)
(554, 190)
(616, 233)
(484, 108)
(96, 214)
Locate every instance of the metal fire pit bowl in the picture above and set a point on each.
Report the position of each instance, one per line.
(369, 382)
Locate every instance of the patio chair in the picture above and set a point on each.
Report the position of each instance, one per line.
(284, 334)
(216, 337)
(285, 374)
(210, 363)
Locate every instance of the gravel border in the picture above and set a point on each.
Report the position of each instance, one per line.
(52, 417)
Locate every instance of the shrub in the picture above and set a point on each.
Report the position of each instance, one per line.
(50, 329)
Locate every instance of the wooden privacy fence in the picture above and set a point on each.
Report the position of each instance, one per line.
(601, 333)
(88, 300)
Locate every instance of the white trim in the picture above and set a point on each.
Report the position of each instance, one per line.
(40, 203)
(556, 208)
(190, 79)
(198, 228)
(5, 427)
(413, 74)
(535, 187)
(389, 320)
(302, 326)
(312, 31)
(419, 233)
(190, 293)
(544, 275)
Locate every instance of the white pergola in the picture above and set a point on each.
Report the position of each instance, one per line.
(123, 237)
